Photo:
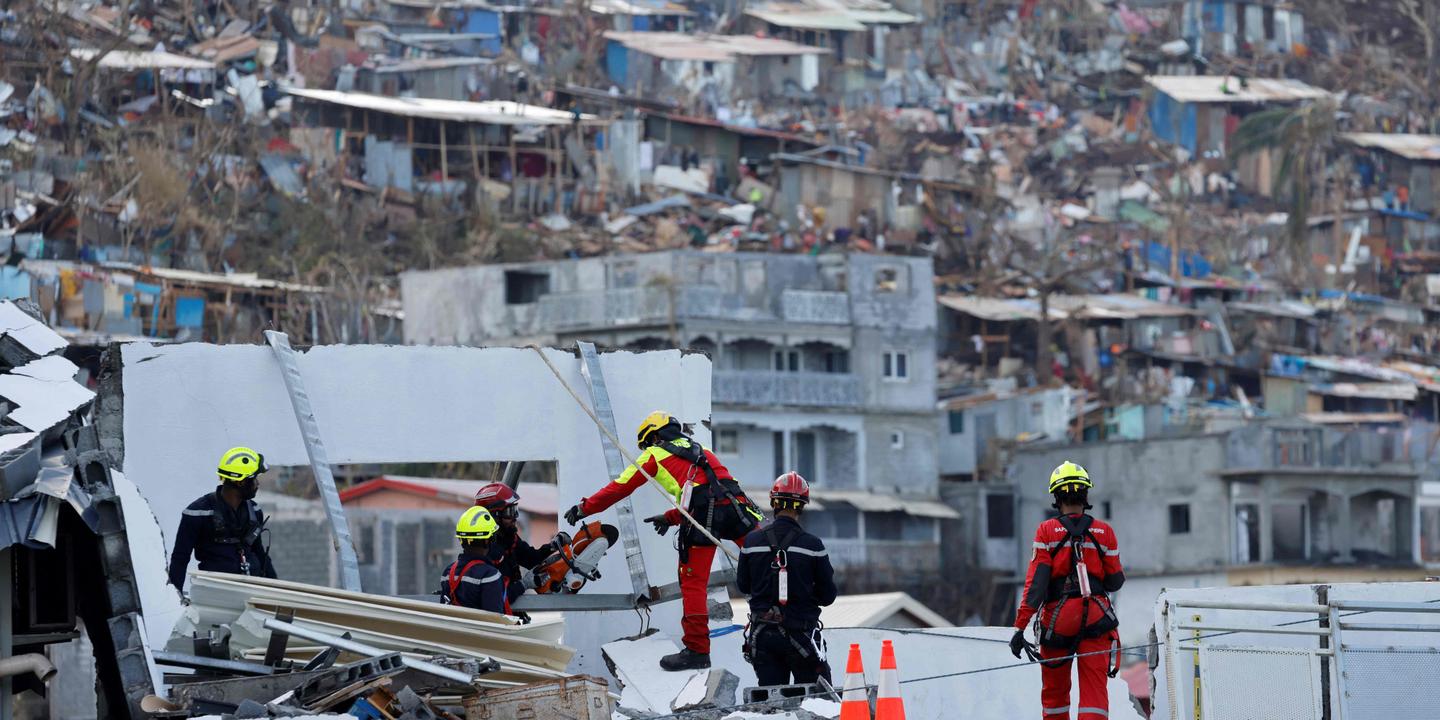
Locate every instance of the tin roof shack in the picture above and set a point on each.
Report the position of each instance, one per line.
(442, 78)
(857, 30)
(659, 64)
(1200, 112)
(719, 146)
(120, 299)
(526, 153)
(645, 15)
(889, 199)
(1239, 28)
(466, 17)
(1403, 170)
(1260, 327)
(131, 87)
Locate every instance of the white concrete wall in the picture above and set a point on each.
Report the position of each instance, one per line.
(186, 404)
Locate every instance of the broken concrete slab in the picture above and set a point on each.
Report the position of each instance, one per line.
(29, 332)
(45, 391)
(713, 689)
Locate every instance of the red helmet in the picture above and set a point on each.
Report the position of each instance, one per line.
(790, 486)
(498, 498)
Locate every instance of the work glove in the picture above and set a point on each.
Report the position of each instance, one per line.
(660, 522)
(1017, 643)
(574, 514)
(523, 616)
(562, 539)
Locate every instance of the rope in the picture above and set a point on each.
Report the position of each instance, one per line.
(630, 458)
(993, 668)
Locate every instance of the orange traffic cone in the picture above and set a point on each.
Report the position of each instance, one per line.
(888, 703)
(855, 700)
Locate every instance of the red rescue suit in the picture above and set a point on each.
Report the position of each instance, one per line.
(1070, 623)
(667, 464)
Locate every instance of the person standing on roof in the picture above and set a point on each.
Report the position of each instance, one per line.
(223, 528)
(474, 580)
(698, 482)
(1074, 568)
(787, 574)
(508, 551)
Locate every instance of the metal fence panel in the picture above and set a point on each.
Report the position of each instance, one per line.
(1384, 683)
(1259, 684)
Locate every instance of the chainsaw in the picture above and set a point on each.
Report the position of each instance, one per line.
(568, 569)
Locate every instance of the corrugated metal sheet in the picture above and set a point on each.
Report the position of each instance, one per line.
(807, 19)
(1222, 89)
(1406, 145)
(877, 502)
(139, 60)
(493, 112)
(708, 48)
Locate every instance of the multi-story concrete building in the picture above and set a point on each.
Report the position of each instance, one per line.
(822, 364)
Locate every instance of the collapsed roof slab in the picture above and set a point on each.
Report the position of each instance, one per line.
(185, 404)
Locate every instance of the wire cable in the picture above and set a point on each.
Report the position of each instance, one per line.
(993, 668)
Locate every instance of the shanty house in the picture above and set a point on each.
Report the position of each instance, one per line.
(656, 64)
(474, 18)
(1200, 112)
(718, 146)
(1242, 27)
(893, 199)
(442, 78)
(644, 15)
(856, 30)
(1403, 170)
(424, 145)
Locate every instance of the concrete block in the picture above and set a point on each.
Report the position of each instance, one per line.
(713, 689)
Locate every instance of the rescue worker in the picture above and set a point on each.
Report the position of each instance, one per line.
(698, 481)
(1071, 600)
(223, 528)
(508, 551)
(474, 580)
(787, 574)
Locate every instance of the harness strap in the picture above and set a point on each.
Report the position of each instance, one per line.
(454, 581)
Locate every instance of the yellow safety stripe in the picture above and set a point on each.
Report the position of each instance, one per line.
(667, 480)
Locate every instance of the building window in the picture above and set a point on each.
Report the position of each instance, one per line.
(727, 442)
(1105, 510)
(835, 521)
(895, 366)
(897, 439)
(957, 422)
(1289, 531)
(787, 360)
(805, 454)
(885, 525)
(1000, 515)
(523, 288)
(1179, 519)
(779, 451)
(837, 361)
(887, 280)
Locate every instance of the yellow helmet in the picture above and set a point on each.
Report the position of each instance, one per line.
(1069, 477)
(476, 524)
(652, 422)
(239, 464)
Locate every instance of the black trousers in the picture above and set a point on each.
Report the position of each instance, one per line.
(777, 660)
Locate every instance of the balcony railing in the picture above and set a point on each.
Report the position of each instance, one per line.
(758, 387)
(815, 306)
(649, 305)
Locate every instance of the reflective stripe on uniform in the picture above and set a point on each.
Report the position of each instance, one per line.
(471, 580)
(198, 513)
(1111, 553)
(1102, 712)
(1058, 711)
(796, 550)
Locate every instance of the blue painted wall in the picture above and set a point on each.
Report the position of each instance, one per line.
(617, 62)
(484, 21)
(1174, 122)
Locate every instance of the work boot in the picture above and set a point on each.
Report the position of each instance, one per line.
(686, 659)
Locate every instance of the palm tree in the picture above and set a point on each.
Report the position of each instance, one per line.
(1302, 139)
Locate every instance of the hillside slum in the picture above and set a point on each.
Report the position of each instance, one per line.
(968, 239)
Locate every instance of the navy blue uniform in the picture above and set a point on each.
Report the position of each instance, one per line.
(785, 639)
(222, 538)
(510, 554)
(473, 581)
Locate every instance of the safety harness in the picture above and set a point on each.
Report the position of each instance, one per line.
(453, 581)
(1076, 585)
(718, 492)
(243, 535)
(774, 617)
